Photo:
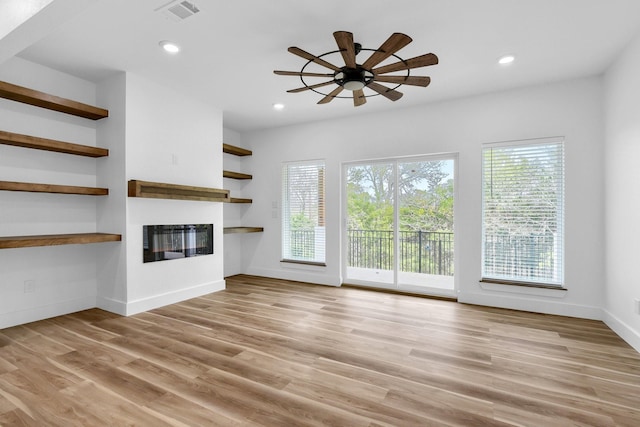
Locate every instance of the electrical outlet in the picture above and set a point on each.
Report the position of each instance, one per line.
(29, 286)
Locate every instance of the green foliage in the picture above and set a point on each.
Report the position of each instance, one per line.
(428, 210)
(520, 194)
(300, 221)
(426, 201)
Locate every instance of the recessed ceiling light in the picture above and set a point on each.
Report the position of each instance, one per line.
(278, 106)
(169, 47)
(507, 59)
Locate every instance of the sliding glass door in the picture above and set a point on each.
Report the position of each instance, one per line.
(399, 224)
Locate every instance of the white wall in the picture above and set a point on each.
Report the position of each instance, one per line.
(65, 276)
(571, 109)
(622, 202)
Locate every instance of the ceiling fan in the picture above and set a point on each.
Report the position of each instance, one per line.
(354, 76)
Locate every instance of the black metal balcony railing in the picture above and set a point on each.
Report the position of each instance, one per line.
(427, 252)
(302, 244)
(527, 257)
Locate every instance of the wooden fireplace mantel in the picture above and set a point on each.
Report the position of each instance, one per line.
(161, 190)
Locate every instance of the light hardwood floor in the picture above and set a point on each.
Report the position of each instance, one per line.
(268, 352)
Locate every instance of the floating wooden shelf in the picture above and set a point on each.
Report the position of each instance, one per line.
(239, 200)
(57, 239)
(235, 230)
(51, 188)
(27, 141)
(160, 190)
(236, 151)
(236, 175)
(51, 102)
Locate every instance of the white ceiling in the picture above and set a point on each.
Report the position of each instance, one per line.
(14, 12)
(231, 48)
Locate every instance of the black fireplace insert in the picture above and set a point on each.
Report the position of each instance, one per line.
(166, 242)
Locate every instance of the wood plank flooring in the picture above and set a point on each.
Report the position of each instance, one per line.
(269, 352)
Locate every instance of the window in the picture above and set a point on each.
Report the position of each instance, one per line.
(303, 219)
(523, 212)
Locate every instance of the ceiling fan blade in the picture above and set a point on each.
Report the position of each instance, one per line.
(388, 93)
(404, 80)
(344, 39)
(302, 89)
(359, 98)
(306, 55)
(332, 95)
(298, 73)
(417, 62)
(393, 44)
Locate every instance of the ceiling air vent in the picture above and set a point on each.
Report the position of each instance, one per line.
(177, 10)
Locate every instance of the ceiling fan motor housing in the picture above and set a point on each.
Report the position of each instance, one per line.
(353, 78)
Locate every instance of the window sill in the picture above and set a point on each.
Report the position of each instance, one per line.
(310, 263)
(523, 288)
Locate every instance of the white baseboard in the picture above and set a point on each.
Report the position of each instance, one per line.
(626, 332)
(296, 274)
(122, 308)
(156, 301)
(33, 314)
(112, 305)
(527, 303)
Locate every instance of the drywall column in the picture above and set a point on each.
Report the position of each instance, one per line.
(111, 212)
(175, 139)
(622, 201)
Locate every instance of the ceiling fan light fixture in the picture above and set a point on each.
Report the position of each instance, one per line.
(353, 85)
(353, 78)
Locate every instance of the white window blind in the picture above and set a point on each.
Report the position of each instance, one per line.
(303, 212)
(523, 212)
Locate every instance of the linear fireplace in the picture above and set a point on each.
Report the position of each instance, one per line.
(166, 242)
